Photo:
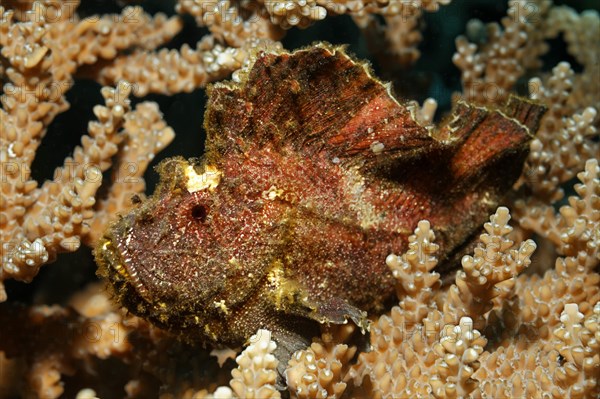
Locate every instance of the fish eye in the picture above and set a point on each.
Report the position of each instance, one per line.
(135, 199)
(199, 213)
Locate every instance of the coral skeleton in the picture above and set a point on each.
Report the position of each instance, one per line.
(518, 316)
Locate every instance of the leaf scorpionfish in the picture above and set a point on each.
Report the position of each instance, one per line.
(313, 174)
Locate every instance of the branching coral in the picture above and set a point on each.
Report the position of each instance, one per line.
(580, 31)
(564, 365)
(499, 56)
(423, 325)
(70, 341)
(490, 70)
(38, 222)
(256, 373)
(238, 28)
(565, 139)
(320, 370)
(577, 343)
(255, 376)
(529, 318)
(574, 228)
(414, 356)
(300, 13)
(416, 282)
(489, 272)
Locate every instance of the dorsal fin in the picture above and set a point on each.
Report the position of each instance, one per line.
(318, 99)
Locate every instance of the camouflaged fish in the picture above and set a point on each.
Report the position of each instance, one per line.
(313, 174)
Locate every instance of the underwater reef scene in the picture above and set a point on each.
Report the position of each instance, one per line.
(300, 199)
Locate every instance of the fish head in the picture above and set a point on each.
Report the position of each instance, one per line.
(169, 259)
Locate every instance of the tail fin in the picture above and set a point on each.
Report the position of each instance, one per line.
(491, 139)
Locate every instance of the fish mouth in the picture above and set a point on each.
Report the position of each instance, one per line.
(113, 262)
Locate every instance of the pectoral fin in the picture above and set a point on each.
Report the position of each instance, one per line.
(299, 317)
(298, 313)
(292, 298)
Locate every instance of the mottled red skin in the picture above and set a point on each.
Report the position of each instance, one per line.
(305, 123)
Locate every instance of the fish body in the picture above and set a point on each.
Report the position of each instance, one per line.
(313, 174)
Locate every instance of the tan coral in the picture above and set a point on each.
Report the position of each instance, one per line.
(54, 341)
(416, 282)
(518, 314)
(104, 37)
(540, 300)
(574, 230)
(580, 32)
(579, 221)
(59, 217)
(565, 139)
(229, 23)
(564, 363)
(392, 366)
(425, 113)
(171, 71)
(577, 343)
(39, 222)
(489, 272)
(411, 328)
(319, 371)
(256, 374)
(243, 25)
(459, 349)
(392, 7)
(515, 371)
(525, 358)
(146, 134)
(421, 360)
(394, 40)
(299, 13)
(490, 71)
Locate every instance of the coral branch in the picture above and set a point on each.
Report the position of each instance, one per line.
(256, 374)
(495, 263)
